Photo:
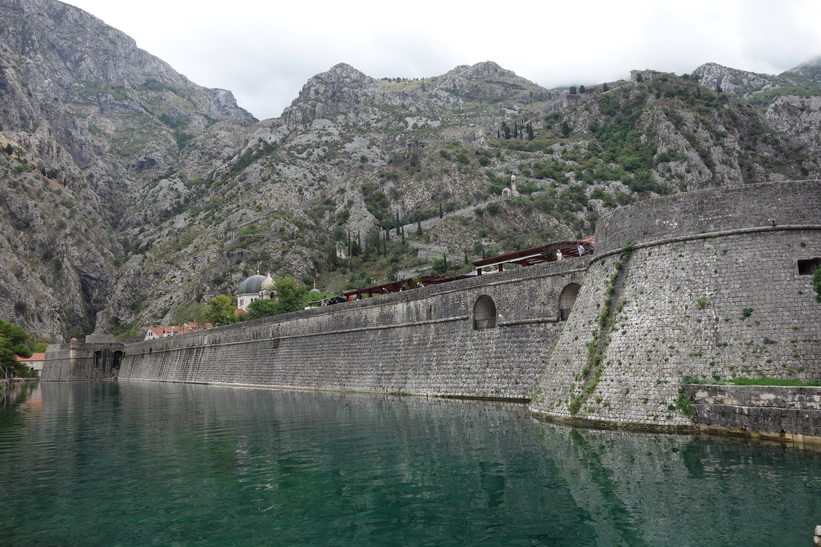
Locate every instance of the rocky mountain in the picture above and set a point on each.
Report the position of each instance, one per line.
(129, 193)
(807, 73)
(86, 119)
(740, 83)
(762, 89)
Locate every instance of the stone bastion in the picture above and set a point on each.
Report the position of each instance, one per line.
(704, 286)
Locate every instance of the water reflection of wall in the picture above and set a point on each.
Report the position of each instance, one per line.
(644, 489)
(179, 461)
(425, 468)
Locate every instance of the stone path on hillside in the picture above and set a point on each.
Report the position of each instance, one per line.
(430, 251)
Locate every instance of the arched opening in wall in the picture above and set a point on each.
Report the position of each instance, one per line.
(98, 360)
(567, 299)
(808, 267)
(484, 313)
(118, 357)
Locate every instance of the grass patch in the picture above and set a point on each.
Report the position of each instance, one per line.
(684, 404)
(774, 382)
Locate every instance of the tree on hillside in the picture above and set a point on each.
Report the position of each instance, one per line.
(220, 310)
(291, 295)
(263, 307)
(565, 129)
(195, 312)
(12, 344)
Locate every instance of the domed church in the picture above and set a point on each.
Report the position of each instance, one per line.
(253, 288)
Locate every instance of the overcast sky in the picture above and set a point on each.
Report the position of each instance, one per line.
(265, 50)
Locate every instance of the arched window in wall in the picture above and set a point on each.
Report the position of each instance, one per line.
(484, 313)
(567, 299)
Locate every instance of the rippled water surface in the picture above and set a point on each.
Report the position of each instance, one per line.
(143, 463)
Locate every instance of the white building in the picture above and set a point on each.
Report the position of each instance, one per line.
(253, 288)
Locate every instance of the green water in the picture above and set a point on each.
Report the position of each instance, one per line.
(165, 464)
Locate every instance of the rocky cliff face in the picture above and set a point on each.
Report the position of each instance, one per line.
(731, 80)
(129, 191)
(86, 119)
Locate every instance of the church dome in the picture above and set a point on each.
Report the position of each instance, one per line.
(254, 284)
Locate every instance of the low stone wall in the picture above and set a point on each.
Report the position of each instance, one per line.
(791, 414)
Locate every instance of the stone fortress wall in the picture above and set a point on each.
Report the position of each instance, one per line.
(713, 286)
(441, 340)
(98, 358)
(707, 285)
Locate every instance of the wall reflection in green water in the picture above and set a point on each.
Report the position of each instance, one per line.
(141, 463)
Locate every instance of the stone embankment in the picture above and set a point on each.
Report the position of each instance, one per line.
(781, 413)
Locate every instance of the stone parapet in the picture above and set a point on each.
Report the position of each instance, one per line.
(711, 210)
